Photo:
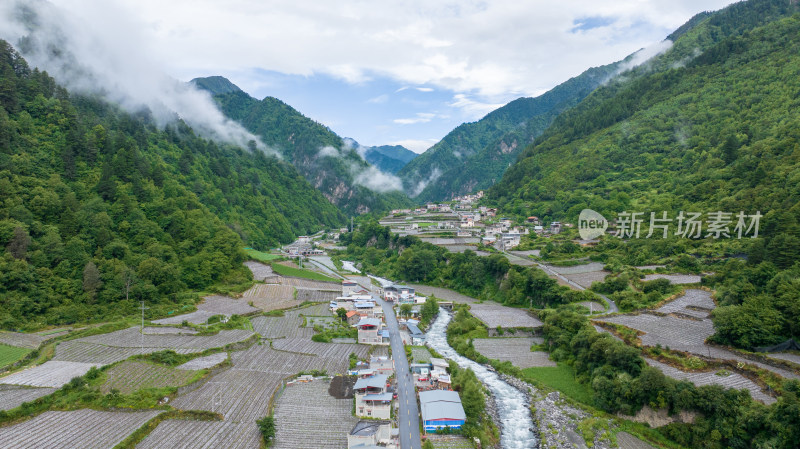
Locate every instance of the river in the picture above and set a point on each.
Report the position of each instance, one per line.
(512, 406)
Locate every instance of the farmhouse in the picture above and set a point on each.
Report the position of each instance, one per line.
(349, 287)
(400, 293)
(441, 408)
(353, 317)
(382, 365)
(369, 434)
(369, 331)
(372, 399)
(417, 337)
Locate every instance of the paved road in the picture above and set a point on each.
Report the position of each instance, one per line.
(408, 421)
(408, 416)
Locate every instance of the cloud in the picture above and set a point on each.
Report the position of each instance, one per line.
(328, 151)
(473, 108)
(645, 54)
(435, 174)
(421, 117)
(380, 99)
(416, 145)
(99, 52)
(376, 180)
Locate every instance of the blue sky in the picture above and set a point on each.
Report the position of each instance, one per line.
(383, 72)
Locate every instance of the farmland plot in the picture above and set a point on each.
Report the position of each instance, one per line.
(322, 423)
(593, 306)
(585, 279)
(79, 351)
(689, 303)
(158, 330)
(675, 278)
(444, 294)
(53, 374)
(20, 340)
(271, 297)
(260, 271)
(206, 362)
(419, 355)
(85, 429)
(514, 350)
(316, 295)
(211, 305)
(494, 315)
(130, 376)
(287, 326)
(685, 335)
(14, 396)
(131, 337)
(187, 434)
(308, 283)
(240, 395)
(586, 268)
(331, 357)
(788, 356)
(733, 380)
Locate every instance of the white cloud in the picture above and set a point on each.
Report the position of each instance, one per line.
(421, 117)
(376, 180)
(472, 108)
(416, 145)
(493, 49)
(380, 99)
(107, 58)
(328, 151)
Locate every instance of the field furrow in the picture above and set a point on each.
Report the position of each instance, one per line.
(14, 396)
(185, 434)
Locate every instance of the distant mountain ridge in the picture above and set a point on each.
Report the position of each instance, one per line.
(388, 158)
(318, 153)
(474, 155)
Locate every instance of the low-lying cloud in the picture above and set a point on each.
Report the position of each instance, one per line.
(100, 53)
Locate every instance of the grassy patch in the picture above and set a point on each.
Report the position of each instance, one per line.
(260, 255)
(561, 378)
(283, 270)
(10, 354)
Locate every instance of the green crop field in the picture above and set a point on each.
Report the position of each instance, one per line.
(10, 354)
(301, 273)
(260, 255)
(561, 378)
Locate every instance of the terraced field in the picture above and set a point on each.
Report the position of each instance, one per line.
(311, 284)
(164, 330)
(85, 429)
(261, 272)
(185, 434)
(593, 306)
(586, 279)
(694, 302)
(206, 362)
(130, 376)
(211, 305)
(675, 278)
(732, 380)
(12, 396)
(494, 315)
(53, 374)
(323, 423)
(514, 350)
(11, 354)
(20, 340)
(685, 335)
(79, 351)
(444, 294)
(240, 395)
(271, 297)
(577, 269)
(787, 356)
(316, 295)
(288, 326)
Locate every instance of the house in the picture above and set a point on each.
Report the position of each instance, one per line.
(555, 227)
(417, 368)
(368, 434)
(400, 293)
(372, 399)
(304, 239)
(439, 368)
(533, 220)
(365, 308)
(441, 408)
(382, 365)
(349, 287)
(417, 337)
(369, 331)
(538, 229)
(353, 317)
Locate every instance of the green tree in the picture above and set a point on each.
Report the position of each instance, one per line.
(341, 312)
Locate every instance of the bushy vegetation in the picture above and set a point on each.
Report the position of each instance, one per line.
(266, 426)
(470, 389)
(101, 209)
(622, 382)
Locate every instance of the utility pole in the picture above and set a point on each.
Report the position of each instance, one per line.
(142, 329)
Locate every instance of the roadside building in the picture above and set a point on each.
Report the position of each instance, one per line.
(353, 317)
(368, 331)
(417, 337)
(349, 287)
(372, 399)
(369, 434)
(441, 408)
(382, 365)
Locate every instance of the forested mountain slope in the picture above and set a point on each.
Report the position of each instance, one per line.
(474, 155)
(97, 204)
(389, 158)
(317, 152)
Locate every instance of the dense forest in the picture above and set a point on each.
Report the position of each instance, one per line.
(100, 209)
(474, 155)
(320, 155)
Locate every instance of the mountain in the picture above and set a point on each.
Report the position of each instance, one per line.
(98, 205)
(474, 155)
(387, 158)
(320, 155)
(705, 126)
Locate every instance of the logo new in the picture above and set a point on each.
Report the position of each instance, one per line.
(591, 224)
